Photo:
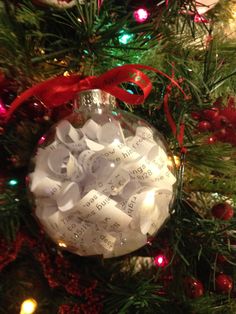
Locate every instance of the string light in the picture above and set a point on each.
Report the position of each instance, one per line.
(28, 306)
(13, 182)
(175, 160)
(161, 260)
(3, 110)
(125, 38)
(62, 244)
(41, 140)
(141, 15)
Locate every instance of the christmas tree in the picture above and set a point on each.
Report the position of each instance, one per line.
(171, 63)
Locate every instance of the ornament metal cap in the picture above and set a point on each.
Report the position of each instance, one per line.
(97, 97)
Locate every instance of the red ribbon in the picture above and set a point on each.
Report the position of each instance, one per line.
(60, 90)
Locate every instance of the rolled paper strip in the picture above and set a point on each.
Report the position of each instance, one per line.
(145, 132)
(143, 208)
(127, 241)
(100, 209)
(70, 195)
(51, 146)
(88, 183)
(164, 198)
(40, 164)
(144, 171)
(45, 187)
(89, 160)
(131, 188)
(106, 240)
(115, 183)
(75, 232)
(166, 178)
(132, 206)
(121, 202)
(147, 210)
(63, 164)
(110, 131)
(141, 145)
(158, 156)
(94, 146)
(91, 129)
(71, 137)
(118, 152)
(49, 215)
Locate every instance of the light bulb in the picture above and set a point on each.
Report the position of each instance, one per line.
(161, 260)
(141, 15)
(13, 182)
(28, 306)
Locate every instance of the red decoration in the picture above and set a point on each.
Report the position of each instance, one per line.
(204, 126)
(223, 211)
(210, 114)
(57, 270)
(193, 287)
(223, 283)
(62, 89)
(221, 118)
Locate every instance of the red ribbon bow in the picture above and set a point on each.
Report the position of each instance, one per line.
(60, 90)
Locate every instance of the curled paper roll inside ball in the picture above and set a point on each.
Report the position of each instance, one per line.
(101, 182)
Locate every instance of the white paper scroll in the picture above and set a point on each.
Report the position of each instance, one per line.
(100, 209)
(102, 191)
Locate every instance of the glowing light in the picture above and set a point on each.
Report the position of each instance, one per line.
(175, 160)
(41, 140)
(161, 260)
(3, 110)
(66, 73)
(125, 38)
(62, 244)
(112, 165)
(140, 15)
(13, 182)
(28, 306)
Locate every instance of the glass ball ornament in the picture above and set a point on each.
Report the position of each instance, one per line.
(100, 179)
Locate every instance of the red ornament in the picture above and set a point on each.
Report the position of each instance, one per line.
(204, 126)
(210, 114)
(220, 121)
(221, 134)
(223, 283)
(193, 287)
(223, 211)
(196, 115)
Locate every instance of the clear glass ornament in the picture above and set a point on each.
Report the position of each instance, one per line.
(100, 182)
